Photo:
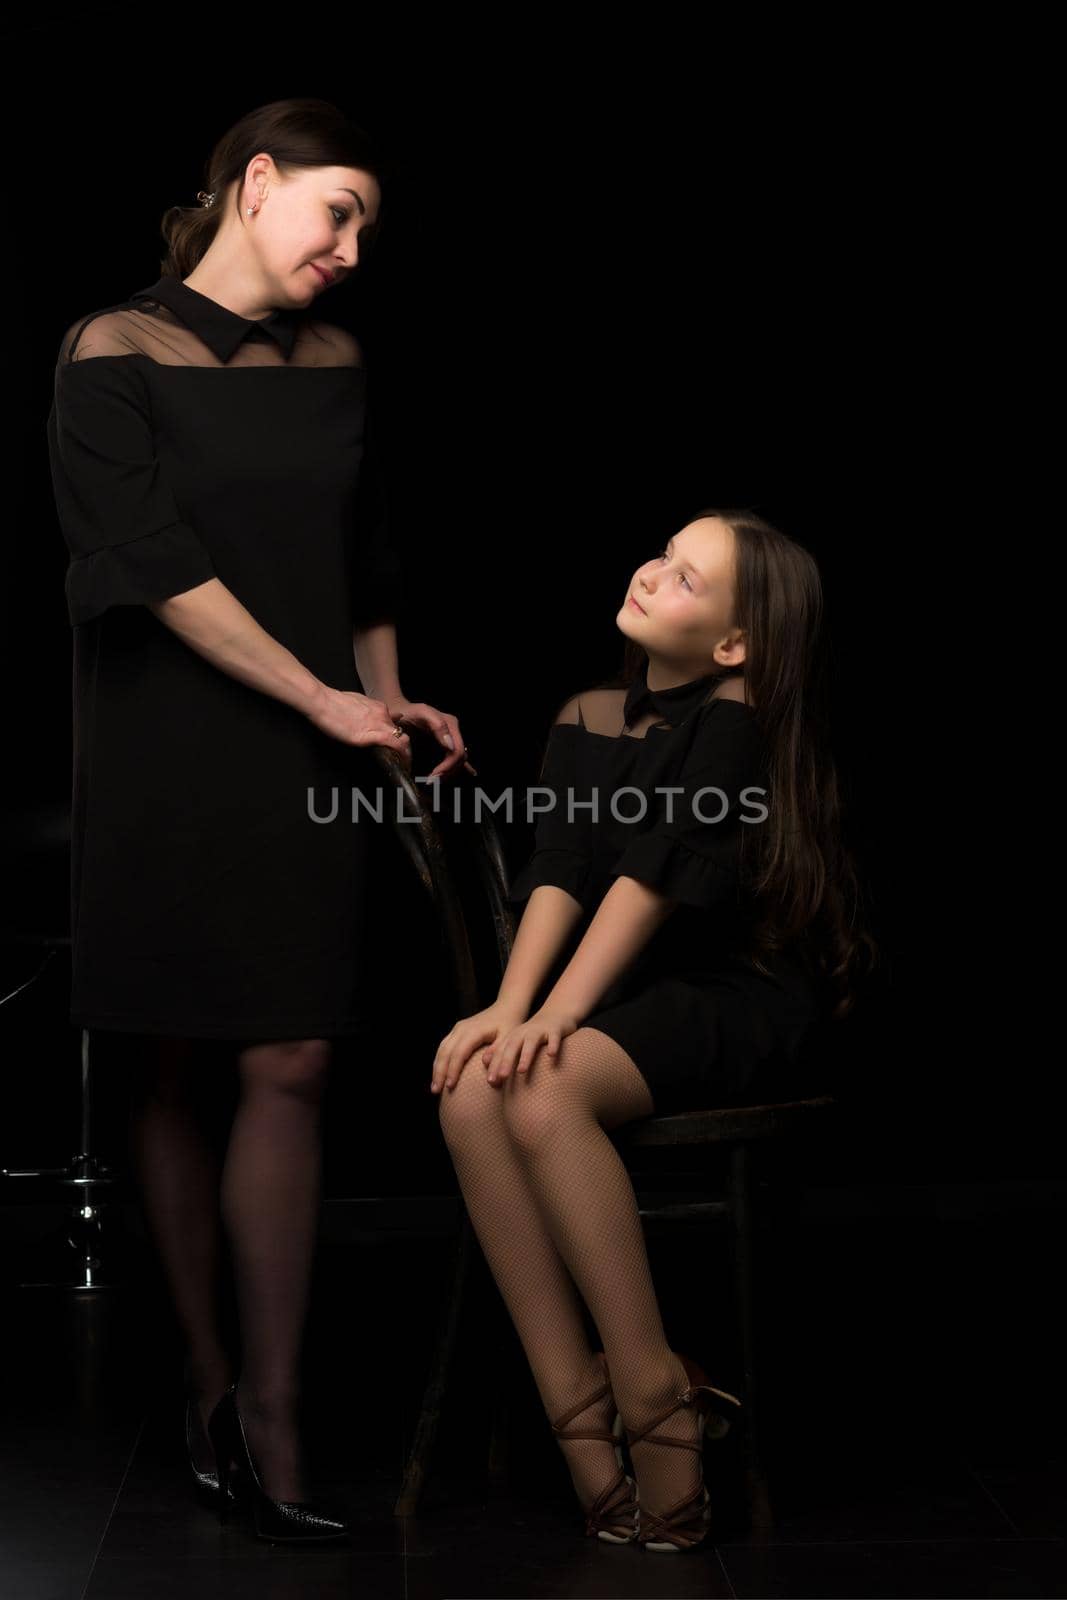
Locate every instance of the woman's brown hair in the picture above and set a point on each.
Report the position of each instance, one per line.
(304, 132)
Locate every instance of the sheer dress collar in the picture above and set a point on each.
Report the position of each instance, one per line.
(221, 329)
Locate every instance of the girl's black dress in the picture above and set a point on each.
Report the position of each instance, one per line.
(186, 443)
(702, 1026)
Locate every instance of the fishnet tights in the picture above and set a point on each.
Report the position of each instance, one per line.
(555, 1213)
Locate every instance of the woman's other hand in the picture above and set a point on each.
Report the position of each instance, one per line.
(518, 1048)
(459, 1045)
(443, 726)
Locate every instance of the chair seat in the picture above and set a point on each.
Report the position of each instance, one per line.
(722, 1124)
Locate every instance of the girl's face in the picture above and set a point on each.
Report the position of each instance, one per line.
(307, 231)
(679, 606)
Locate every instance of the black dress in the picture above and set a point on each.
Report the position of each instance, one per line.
(186, 443)
(703, 1027)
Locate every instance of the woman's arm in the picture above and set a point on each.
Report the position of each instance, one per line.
(375, 651)
(212, 621)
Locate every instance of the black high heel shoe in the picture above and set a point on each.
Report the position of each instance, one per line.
(206, 1482)
(290, 1521)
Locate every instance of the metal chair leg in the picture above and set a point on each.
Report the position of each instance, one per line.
(83, 1251)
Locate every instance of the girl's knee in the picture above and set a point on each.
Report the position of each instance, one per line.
(466, 1108)
(535, 1109)
(290, 1066)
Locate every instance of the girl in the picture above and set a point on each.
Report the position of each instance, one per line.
(232, 591)
(691, 914)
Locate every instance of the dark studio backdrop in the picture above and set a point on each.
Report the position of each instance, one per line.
(599, 303)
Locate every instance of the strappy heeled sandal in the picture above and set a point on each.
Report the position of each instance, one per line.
(684, 1525)
(616, 1505)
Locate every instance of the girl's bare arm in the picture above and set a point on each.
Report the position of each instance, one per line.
(547, 923)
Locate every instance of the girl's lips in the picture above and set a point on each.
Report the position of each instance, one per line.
(321, 275)
(631, 601)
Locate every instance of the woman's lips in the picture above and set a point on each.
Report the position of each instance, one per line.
(322, 276)
(639, 609)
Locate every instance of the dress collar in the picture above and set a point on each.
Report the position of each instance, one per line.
(673, 704)
(221, 329)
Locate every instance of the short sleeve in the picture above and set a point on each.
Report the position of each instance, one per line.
(690, 840)
(377, 585)
(127, 543)
(562, 848)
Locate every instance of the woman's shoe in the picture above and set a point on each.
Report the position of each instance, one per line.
(684, 1525)
(290, 1521)
(206, 1481)
(616, 1506)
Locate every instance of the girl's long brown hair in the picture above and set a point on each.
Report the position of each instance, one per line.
(301, 132)
(798, 865)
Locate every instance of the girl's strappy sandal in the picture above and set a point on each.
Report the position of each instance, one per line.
(615, 1506)
(684, 1525)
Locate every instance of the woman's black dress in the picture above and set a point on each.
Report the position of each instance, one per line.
(186, 443)
(702, 1026)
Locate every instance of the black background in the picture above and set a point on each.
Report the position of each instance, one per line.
(617, 283)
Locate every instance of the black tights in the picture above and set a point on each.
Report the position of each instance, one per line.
(260, 1196)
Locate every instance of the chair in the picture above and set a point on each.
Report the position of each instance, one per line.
(425, 848)
(733, 1128)
(737, 1129)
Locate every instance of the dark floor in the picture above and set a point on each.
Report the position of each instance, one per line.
(915, 1442)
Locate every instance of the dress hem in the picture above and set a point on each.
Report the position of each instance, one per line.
(287, 1029)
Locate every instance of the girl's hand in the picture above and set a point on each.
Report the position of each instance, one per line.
(443, 726)
(519, 1047)
(469, 1032)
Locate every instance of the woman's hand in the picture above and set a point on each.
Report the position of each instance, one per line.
(469, 1032)
(443, 726)
(358, 719)
(519, 1047)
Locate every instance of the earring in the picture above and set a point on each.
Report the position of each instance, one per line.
(251, 209)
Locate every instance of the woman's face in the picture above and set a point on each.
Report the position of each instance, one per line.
(307, 231)
(679, 606)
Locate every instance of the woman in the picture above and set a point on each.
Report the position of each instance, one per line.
(691, 914)
(233, 594)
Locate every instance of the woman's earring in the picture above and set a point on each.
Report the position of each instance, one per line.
(250, 210)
